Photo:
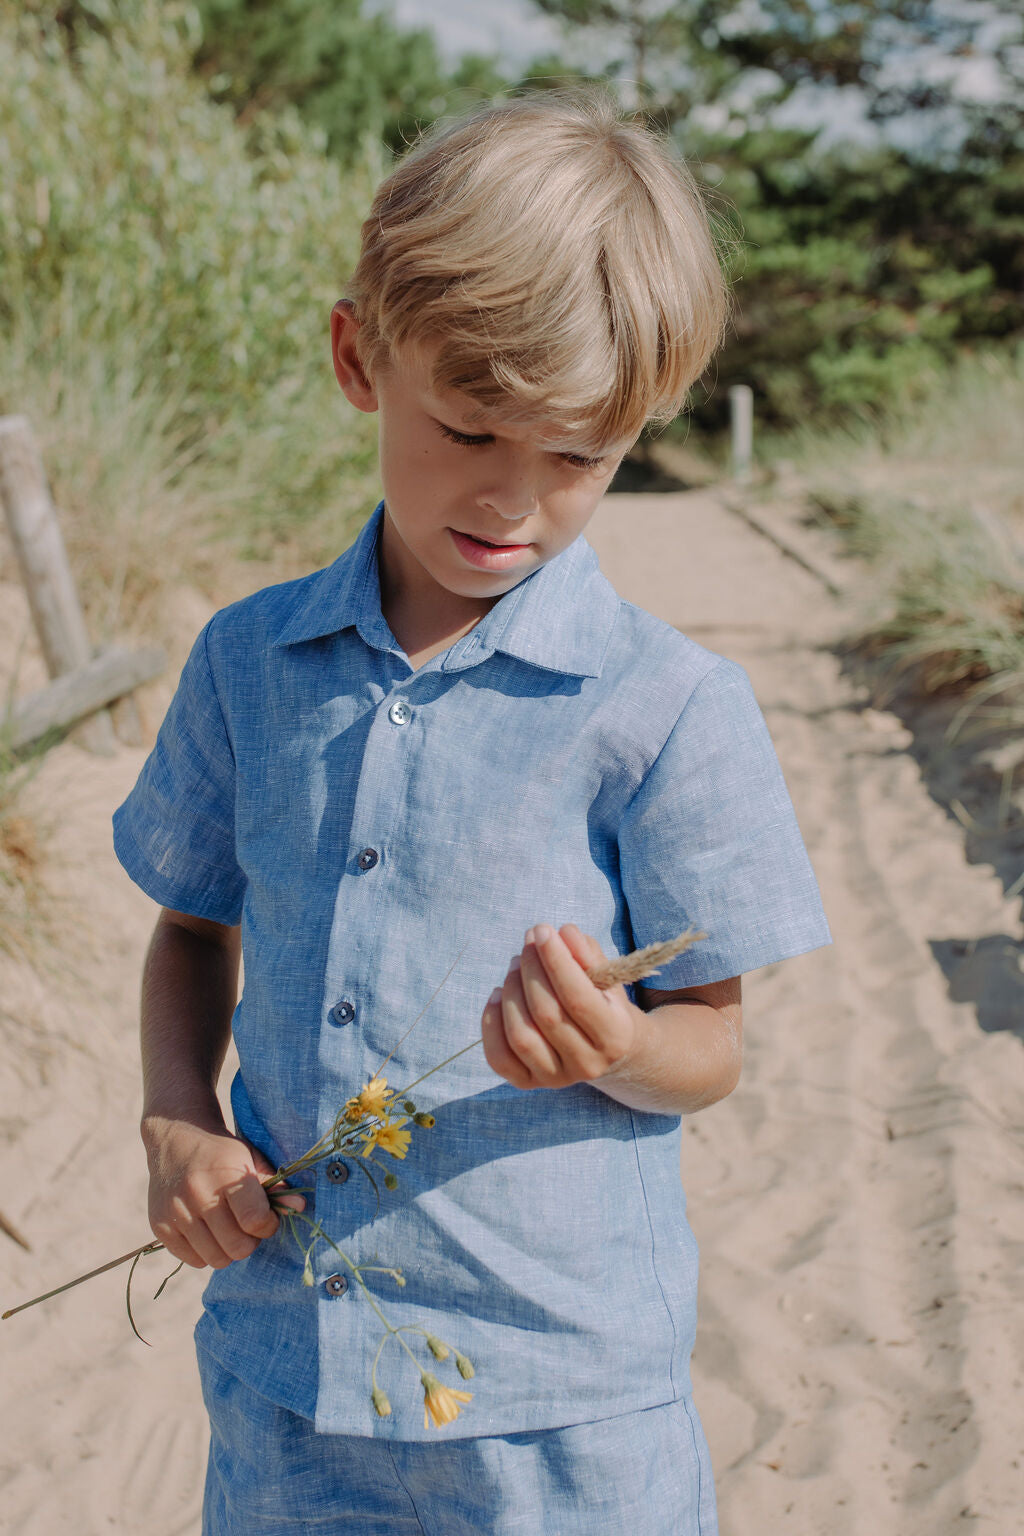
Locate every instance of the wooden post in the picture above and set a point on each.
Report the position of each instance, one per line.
(47, 576)
(110, 675)
(741, 411)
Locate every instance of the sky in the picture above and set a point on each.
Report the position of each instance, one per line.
(517, 32)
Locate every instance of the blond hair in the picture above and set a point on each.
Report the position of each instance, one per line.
(555, 263)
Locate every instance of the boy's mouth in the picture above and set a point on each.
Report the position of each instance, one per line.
(482, 552)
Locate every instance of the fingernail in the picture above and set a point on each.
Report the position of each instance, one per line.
(529, 939)
(494, 998)
(515, 962)
(542, 933)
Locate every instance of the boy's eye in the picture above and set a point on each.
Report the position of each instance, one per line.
(578, 462)
(465, 438)
(468, 440)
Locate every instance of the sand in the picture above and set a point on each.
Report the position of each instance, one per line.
(857, 1198)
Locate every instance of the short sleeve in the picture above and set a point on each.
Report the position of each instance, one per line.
(175, 833)
(710, 839)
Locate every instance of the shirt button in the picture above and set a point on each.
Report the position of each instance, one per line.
(368, 858)
(400, 713)
(335, 1285)
(343, 1012)
(337, 1172)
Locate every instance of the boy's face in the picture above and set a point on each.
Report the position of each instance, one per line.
(472, 504)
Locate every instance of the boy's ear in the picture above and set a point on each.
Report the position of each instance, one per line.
(348, 369)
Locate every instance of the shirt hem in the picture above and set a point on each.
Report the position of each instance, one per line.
(511, 1422)
(687, 971)
(164, 891)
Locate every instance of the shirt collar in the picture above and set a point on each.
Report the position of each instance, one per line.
(560, 617)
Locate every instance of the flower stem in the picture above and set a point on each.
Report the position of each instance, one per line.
(136, 1253)
(471, 1046)
(422, 1011)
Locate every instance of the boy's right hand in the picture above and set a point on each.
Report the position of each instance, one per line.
(207, 1204)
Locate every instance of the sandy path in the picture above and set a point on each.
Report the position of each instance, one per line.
(856, 1199)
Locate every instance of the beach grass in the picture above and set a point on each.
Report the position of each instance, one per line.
(931, 496)
(166, 281)
(23, 839)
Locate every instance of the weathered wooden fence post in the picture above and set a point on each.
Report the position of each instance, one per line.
(741, 412)
(86, 683)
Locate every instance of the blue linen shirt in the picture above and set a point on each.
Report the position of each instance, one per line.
(570, 759)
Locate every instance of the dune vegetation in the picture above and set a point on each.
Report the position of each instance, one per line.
(172, 238)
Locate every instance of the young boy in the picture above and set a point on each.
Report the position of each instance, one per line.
(456, 736)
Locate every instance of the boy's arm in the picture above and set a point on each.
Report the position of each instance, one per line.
(206, 1201)
(550, 1027)
(688, 1055)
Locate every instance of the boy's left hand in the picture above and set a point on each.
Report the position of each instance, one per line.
(549, 1026)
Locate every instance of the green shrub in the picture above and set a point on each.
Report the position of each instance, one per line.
(166, 277)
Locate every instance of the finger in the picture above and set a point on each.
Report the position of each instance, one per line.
(536, 1053)
(177, 1246)
(588, 953)
(500, 1056)
(262, 1165)
(249, 1207)
(196, 1231)
(283, 1195)
(582, 946)
(234, 1241)
(570, 1043)
(576, 993)
(282, 1191)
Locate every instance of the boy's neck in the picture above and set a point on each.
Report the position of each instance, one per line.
(424, 617)
(423, 636)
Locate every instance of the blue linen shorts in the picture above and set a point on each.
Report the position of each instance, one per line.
(271, 1474)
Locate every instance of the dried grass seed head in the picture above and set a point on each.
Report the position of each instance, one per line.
(551, 260)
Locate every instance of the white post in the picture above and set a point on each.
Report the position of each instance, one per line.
(49, 584)
(741, 412)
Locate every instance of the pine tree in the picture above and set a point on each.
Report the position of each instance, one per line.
(353, 75)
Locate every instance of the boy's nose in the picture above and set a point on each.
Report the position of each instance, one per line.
(511, 499)
(512, 484)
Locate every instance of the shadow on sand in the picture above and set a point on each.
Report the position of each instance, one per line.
(972, 763)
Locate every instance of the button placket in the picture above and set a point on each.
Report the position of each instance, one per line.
(350, 951)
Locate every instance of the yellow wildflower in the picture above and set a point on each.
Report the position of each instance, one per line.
(374, 1098)
(440, 1404)
(380, 1402)
(370, 1102)
(389, 1137)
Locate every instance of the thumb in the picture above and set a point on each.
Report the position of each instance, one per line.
(587, 952)
(585, 949)
(264, 1169)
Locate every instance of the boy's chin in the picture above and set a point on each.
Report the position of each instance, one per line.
(493, 583)
(480, 582)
